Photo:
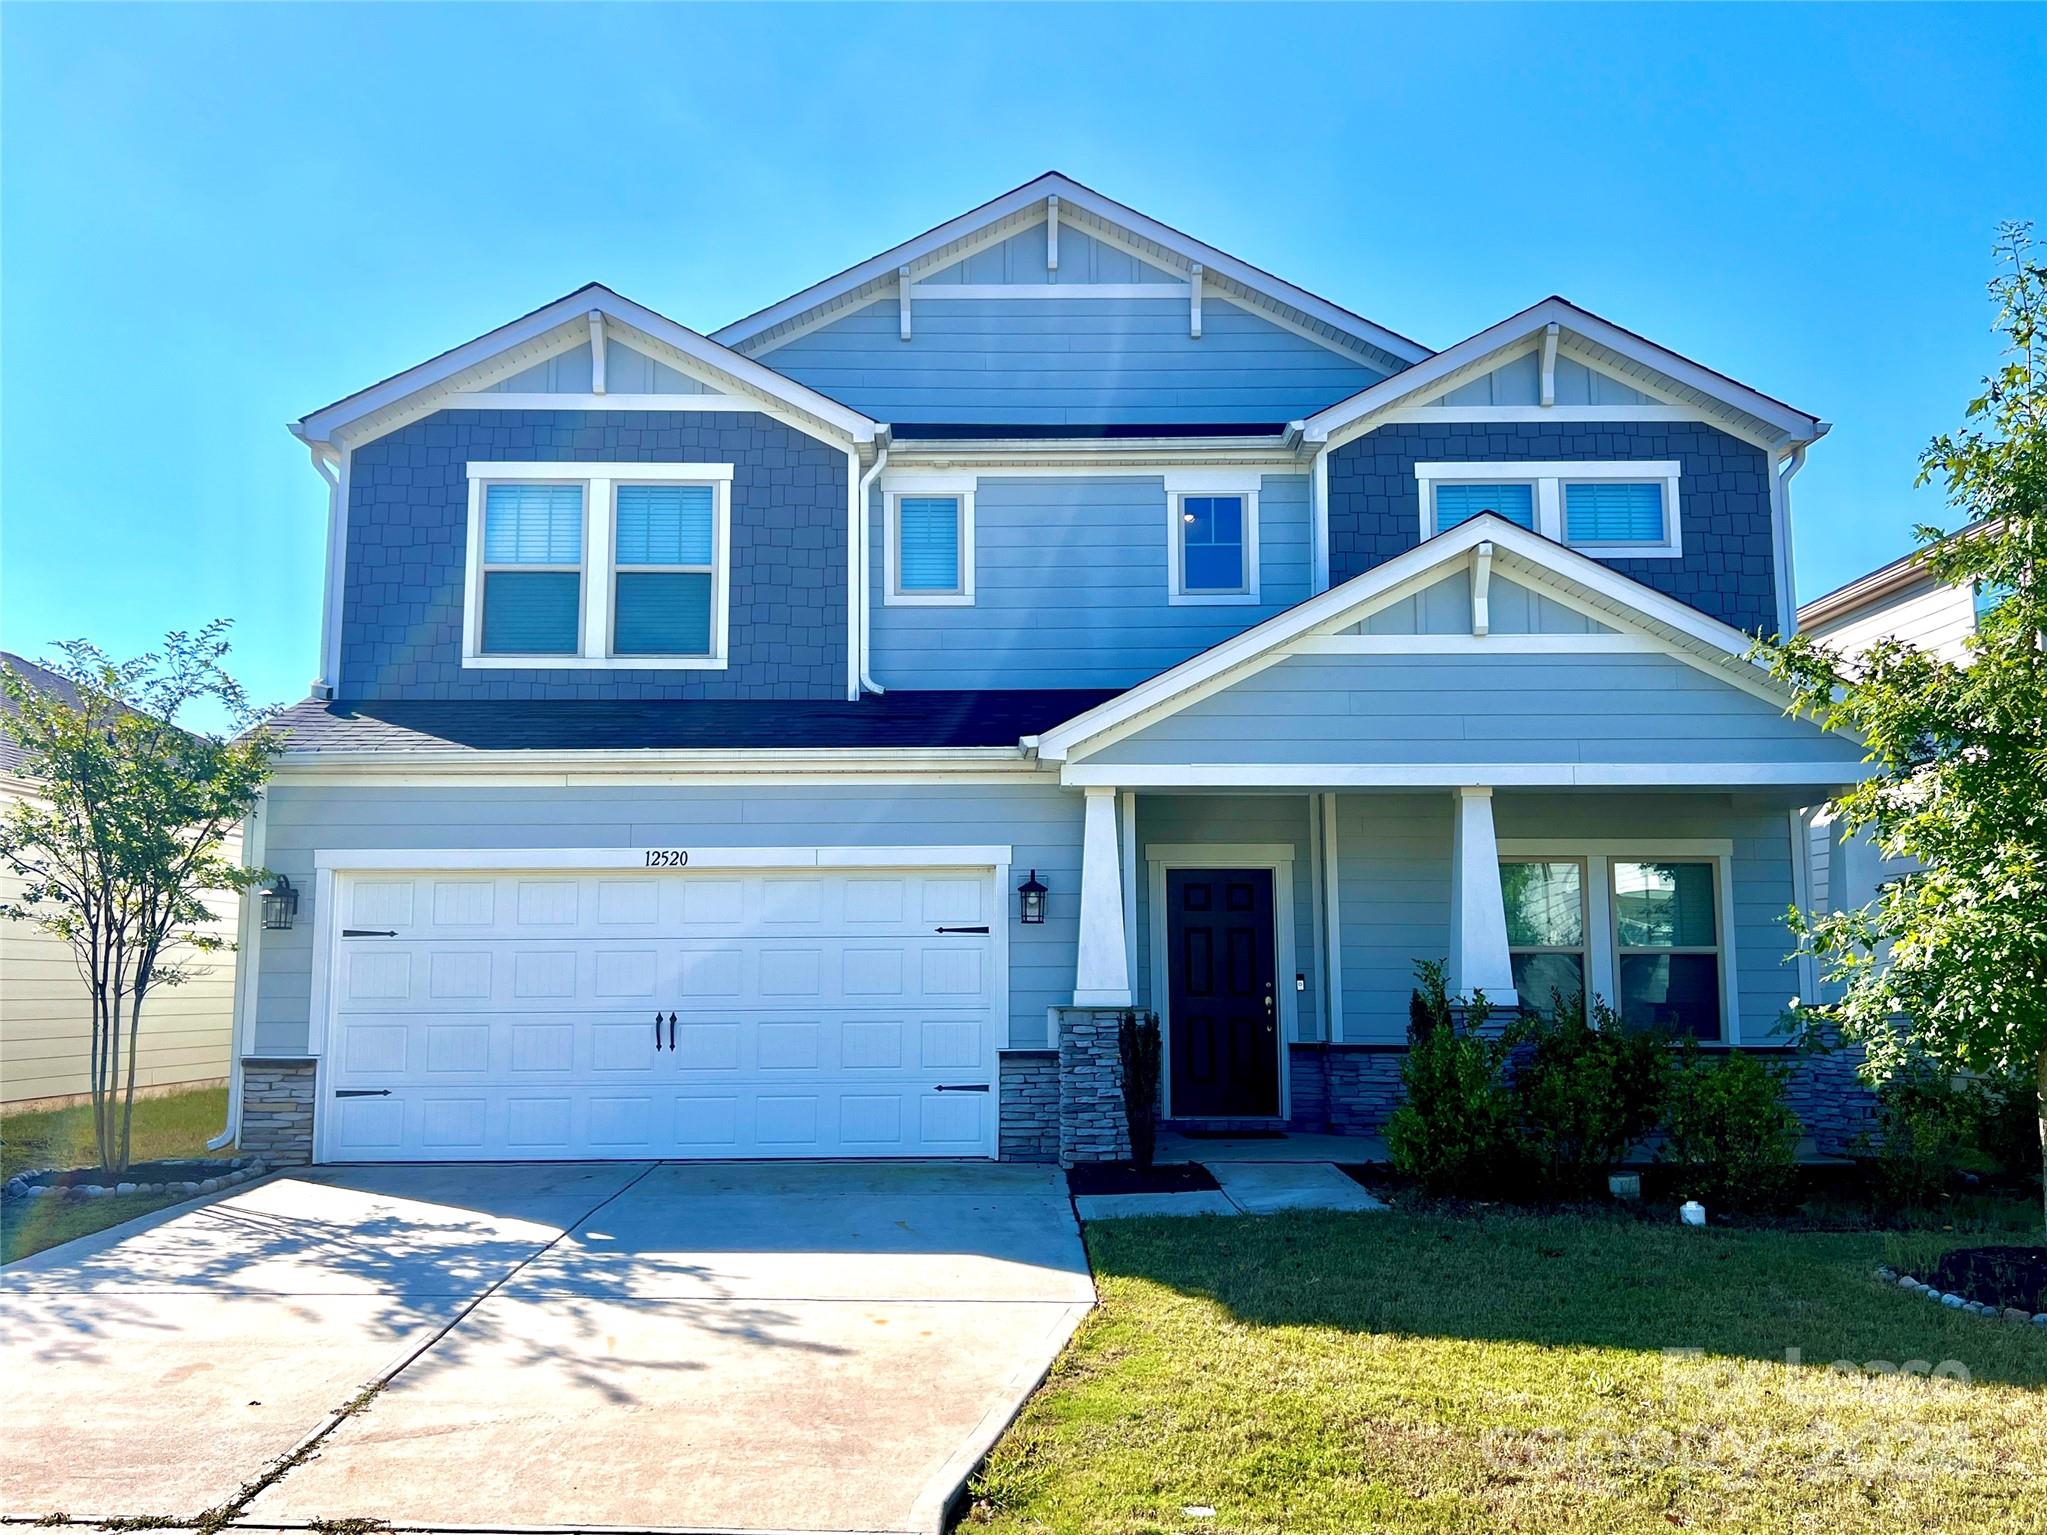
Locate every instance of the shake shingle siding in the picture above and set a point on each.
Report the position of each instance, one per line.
(408, 517)
(1728, 569)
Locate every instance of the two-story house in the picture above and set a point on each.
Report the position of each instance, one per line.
(806, 739)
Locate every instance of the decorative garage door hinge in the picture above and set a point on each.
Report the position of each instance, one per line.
(961, 930)
(961, 1087)
(362, 1092)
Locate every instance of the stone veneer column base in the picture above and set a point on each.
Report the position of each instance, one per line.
(277, 1111)
(1030, 1105)
(1092, 1127)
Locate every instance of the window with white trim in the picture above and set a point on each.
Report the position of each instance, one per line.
(1546, 927)
(930, 535)
(1643, 926)
(1212, 541)
(598, 565)
(1613, 510)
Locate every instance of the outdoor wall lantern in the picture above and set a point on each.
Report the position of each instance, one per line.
(280, 905)
(1030, 900)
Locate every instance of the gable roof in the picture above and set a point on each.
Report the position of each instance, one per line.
(551, 328)
(1022, 206)
(1632, 358)
(1517, 553)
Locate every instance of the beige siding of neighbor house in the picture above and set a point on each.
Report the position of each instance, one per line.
(46, 1021)
(1935, 618)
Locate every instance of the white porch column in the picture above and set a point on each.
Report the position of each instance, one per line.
(1478, 913)
(1102, 977)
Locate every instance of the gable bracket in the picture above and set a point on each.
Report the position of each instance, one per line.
(1194, 301)
(903, 301)
(1481, 589)
(1051, 234)
(597, 351)
(1549, 363)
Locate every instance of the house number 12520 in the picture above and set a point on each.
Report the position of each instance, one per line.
(667, 857)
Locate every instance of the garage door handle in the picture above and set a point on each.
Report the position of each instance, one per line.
(671, 1031)
(961, 1087)
(362, 1092)
(962, 929)
(657, 1031)
(369, 932)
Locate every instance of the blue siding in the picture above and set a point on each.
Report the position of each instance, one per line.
(1069, 361)
(1040, 821)
(1409, 709)
(1082, 259)
(1394, 863)
(1070, 588)
(1729, 561)
(1445, 608)
(1520, 383)
(408, 519)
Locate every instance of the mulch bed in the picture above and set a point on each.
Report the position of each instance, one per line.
(1129, 1178)
(2014, 1277)
(165, 1170)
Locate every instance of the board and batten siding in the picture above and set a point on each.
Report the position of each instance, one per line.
(46, 1014)
(1418, 709)
(1394, 867)
(1040, 821)
(1071, 588)
(1069, 362)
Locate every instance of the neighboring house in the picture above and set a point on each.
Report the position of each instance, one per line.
(699, 714)
(45, 1011)
(1901, 601)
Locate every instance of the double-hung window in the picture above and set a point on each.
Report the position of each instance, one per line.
(928, 541)
(532, 570)
(1211, 539)
(1611, 510)
(1643, 927)
(588, 565)
(1546, 927)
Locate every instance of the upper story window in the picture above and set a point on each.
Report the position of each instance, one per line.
(929, 539)
(1212, 539)
(1610, 510)
(598, 565)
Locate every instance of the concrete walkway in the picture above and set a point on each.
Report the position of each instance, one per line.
(1244, 1188)
(737, 1346)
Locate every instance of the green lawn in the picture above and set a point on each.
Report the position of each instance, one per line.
(176, 1125)
(1409, 1372)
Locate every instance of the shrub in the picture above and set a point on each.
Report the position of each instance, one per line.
(1137, 1041)
(2008, 1113)
(1587, 1091)
(1456, 1131)
(1728, 1130)
(1927, 1128)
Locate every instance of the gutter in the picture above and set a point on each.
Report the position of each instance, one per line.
(1787, 591)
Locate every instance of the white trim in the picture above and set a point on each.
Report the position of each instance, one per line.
(597, 859)
(1617, 847)
(1504, 775)
(1476, 645)
(599, 351)
(486, 399)
(1318, 516)
(596, 650)
(1275, 859)
(1049, 290)
(1052, 233)
(961, 489)
(322, 424)
(1194, 275)
(1548, 377)
(1721, 646)
(1127, 809)
(1350, 416)
(1183, 483)
(1073, 198)
(1580, 414)
(336, 588)
(1549, 477)
(1102, 957)
(326, 934)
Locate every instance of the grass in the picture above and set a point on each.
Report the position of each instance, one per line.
(175, 1125)
(1553, 1373)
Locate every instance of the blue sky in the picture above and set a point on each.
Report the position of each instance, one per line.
(216, 219)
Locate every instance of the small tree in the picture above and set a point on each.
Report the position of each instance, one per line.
(1949, 962)
(121, 843)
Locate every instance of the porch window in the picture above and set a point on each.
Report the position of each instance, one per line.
(532, 569)
(1546, 927)
(1667, 945)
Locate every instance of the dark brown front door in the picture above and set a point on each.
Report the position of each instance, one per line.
(1224, 1018)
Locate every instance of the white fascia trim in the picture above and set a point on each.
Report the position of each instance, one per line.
(642, 857)
(575, 308)
(762, 760)
(1527, 328)
(1257, 644)
(1452, 775)
(491, 399)
(1071, 196)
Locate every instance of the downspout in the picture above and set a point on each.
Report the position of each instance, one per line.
(248, 937)
(322, 453)
(1318, 515)
(1788, 588)
(862, 600)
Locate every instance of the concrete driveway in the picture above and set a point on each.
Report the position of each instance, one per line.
(797, 1346)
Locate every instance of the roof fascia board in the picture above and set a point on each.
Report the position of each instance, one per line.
(1528, 553)
(1350, 418)
(438, 373)
(1072, 197)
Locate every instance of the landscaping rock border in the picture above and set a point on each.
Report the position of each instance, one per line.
(24, 1186)
(1890, 1276)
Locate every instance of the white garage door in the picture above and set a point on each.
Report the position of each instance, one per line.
(775, 1014)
